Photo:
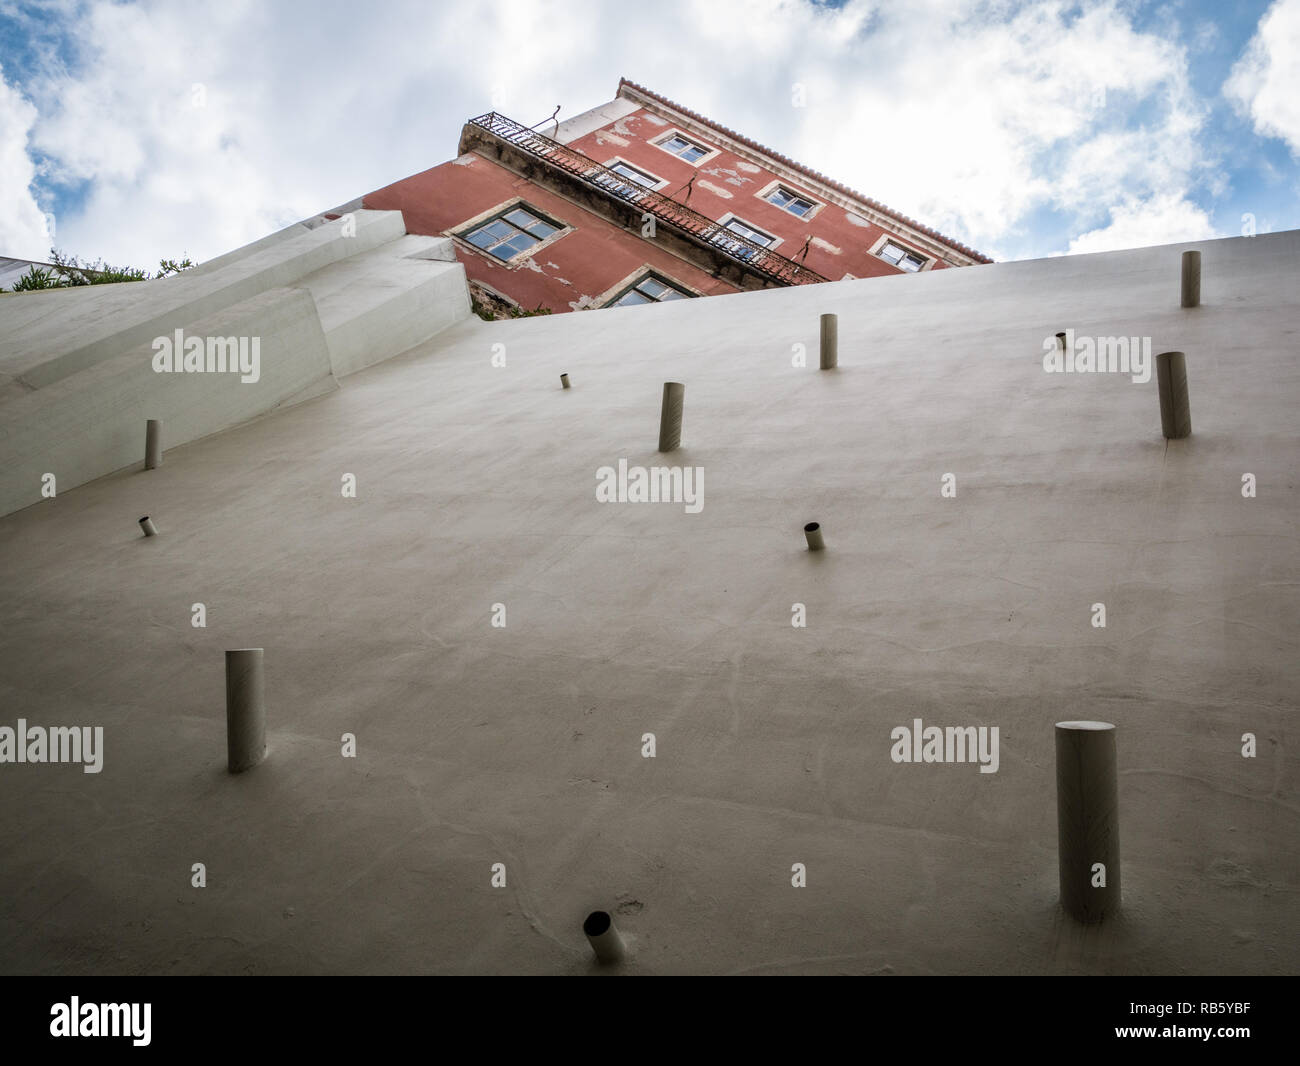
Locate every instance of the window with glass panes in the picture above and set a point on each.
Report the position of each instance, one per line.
(649, 290)
(747, 231)
(790, 201)
(511, 233)
(639, 176)
(901, 257)
(680, 146)
(741, 229)
(632, 188)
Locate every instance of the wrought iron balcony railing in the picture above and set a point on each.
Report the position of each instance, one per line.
(752, 255)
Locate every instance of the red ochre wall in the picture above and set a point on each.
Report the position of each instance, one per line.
(585, 262)
(849, 242)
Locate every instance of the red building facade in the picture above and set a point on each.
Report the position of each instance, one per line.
(641, 200)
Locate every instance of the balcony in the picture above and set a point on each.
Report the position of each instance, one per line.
(572, 167)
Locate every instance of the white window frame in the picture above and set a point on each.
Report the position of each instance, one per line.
(606, 299)
(459, 233)
(927, 261)
(659, 182)
(732, 217)
(772, 186)
(659, 140)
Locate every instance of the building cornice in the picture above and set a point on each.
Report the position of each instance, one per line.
(927, 239)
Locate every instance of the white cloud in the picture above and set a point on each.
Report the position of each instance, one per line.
(970, 125)
(1140, 224)
(1265, 82)
(23, 230)
(966, 115)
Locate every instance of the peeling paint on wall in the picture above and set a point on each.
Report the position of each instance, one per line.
(452, 198)
(748, 168)
(826, 246)
(856, 220)
(660, 122)
(466, 160)
(735, 178)
(718, 189)
(605, 137)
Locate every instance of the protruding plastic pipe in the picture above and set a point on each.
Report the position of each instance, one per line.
(1175, 407)
(1191, 279)
(604, 938)
(564, 381)
(152, 444)
(245, 710)
(1060, 345)
(1087, 820)
(670, 416)
(813, 532)
(830, 342)
(150, 530)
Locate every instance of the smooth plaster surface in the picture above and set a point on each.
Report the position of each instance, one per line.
(77, 378)
(479, 745)
(50, 335)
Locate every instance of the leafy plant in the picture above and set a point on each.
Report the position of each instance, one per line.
(67, 272)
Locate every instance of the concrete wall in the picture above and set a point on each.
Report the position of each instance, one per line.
(87, 424)
(51, 334)
(76, 374)
(379, 304)
(522, 745)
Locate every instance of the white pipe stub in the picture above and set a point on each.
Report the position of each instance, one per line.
(152, 444)
(830, 341)
(1191, 294)
(1175, 405)
(670, 416)
(245, 710)
(604, 938)
(1087, 820)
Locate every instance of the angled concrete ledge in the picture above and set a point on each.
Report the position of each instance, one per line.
(88, 425)
(334, 305)
(386, 301)
(69, 330)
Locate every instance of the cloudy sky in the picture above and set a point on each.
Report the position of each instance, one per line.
(135, 130)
